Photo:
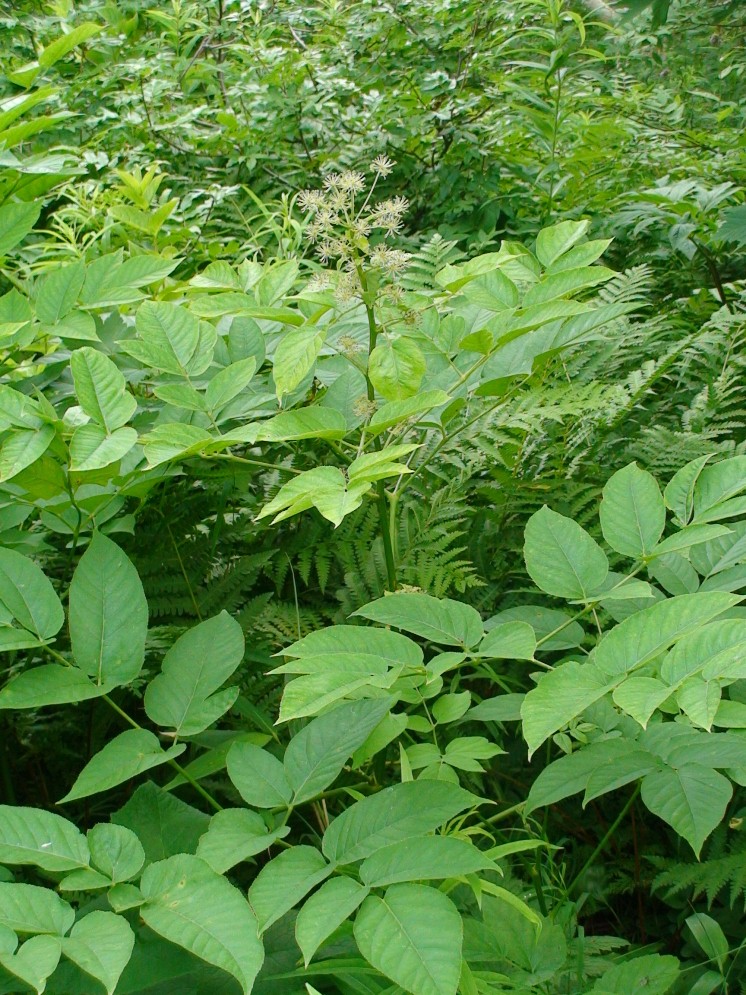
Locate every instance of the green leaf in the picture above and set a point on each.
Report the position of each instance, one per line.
(43, 839)
(101, 944)
(441, 620)
(710, 937)
(258, 776)
(101, 389)
(108, 614)
(561, 558)
(171, 340)
(640, 696)
(124, 757)
(716, 486)
(686, 538)
(34, 962)
(692, 799)
(174, 441)
(50, 684)
(396, 369)
(632, 512)
(644, 635)
(181, 395)
(352, 641)
(699, 700)
(325, 911)
(28, 597)
(183, 696)
(190, 905)
(428, 858)
(652, 974)
(22, 448)
(116, 851)
(679, 492)
(16, 221)
(323, 488)
(312, 694)
(92, 449)
(316, 755)
(396, 412)
(308, 423)
(557, 285)
(276, 281)
(26, 908)
(235, 834)
(509, 641)
(294, 358)
(165, 825)
(379, 465)
(228, 383)
(395, 813)
(63, 45)
(284, 881)
(58, 292)
(413, 935)
(560, 696)
(551, 243)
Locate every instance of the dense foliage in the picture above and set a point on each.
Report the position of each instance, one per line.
(372, 497)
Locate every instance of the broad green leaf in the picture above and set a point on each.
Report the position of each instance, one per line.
(651, 974)
(560, 696)
(28, 597)
(65, 43)
(16, 221)
(561, 558)
(164, 824)
(716, 485)
(679, 492)
(228, 383)
(710, 937)
(325, 911)
(316, 755)
(427, 858)
(642, 636)
(565, 282)
(294, 358)
(493, 291)
(721, 552)
(308, 423)
(276, 281)
(580, 255)
(49, 684)
(323, 488)
(690, 537)
(124, 757)
(284, 881)
(501, 708)
(22, 448)
(413, 935)
(395, 813)
(43, 839)
(692, 799)
(26, 908)
(396, 412)
(551, 243)
(640, 696)
(450, 707)
(185, 696)
(396, 369)
(101, 389)
(712, 650)
(569, 774)
(116, 851)
(171, 339)
(614, 774)
(699, 700)
(144, 269)
(258, 776)
(190, 905)
(555, 630)
(379, 465)
(92, 449)
(174, 441)
(101, 944)
(108, 614)
(58, 292)
(311, 694)
(235, 834)
(441, 620)
(632, 512)
(34, 961)
(509, 641)
(391, 647)
(181, 395)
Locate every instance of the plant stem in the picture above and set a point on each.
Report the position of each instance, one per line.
(606, 837)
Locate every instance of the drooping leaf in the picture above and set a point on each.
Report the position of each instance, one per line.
(108, 614)
(101, 944)
(509, 641)
(16, 221)
(691, 798)
(284, 881)
(101, 389)
(190, 905)
(27, 908)
(325, 911)
(554, 242)
(294, 358)
(413, 935)
(28, 597)
(561, 558)
(185, 696)
(42, 839)
(441, 620)
(124, 757)
(399, 812)
(50, 684)
(34, 961)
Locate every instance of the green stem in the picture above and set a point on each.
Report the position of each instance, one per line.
(606, 837)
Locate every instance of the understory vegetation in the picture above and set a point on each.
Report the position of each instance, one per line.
(372, 497)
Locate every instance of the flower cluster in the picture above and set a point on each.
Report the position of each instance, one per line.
(344, 217)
